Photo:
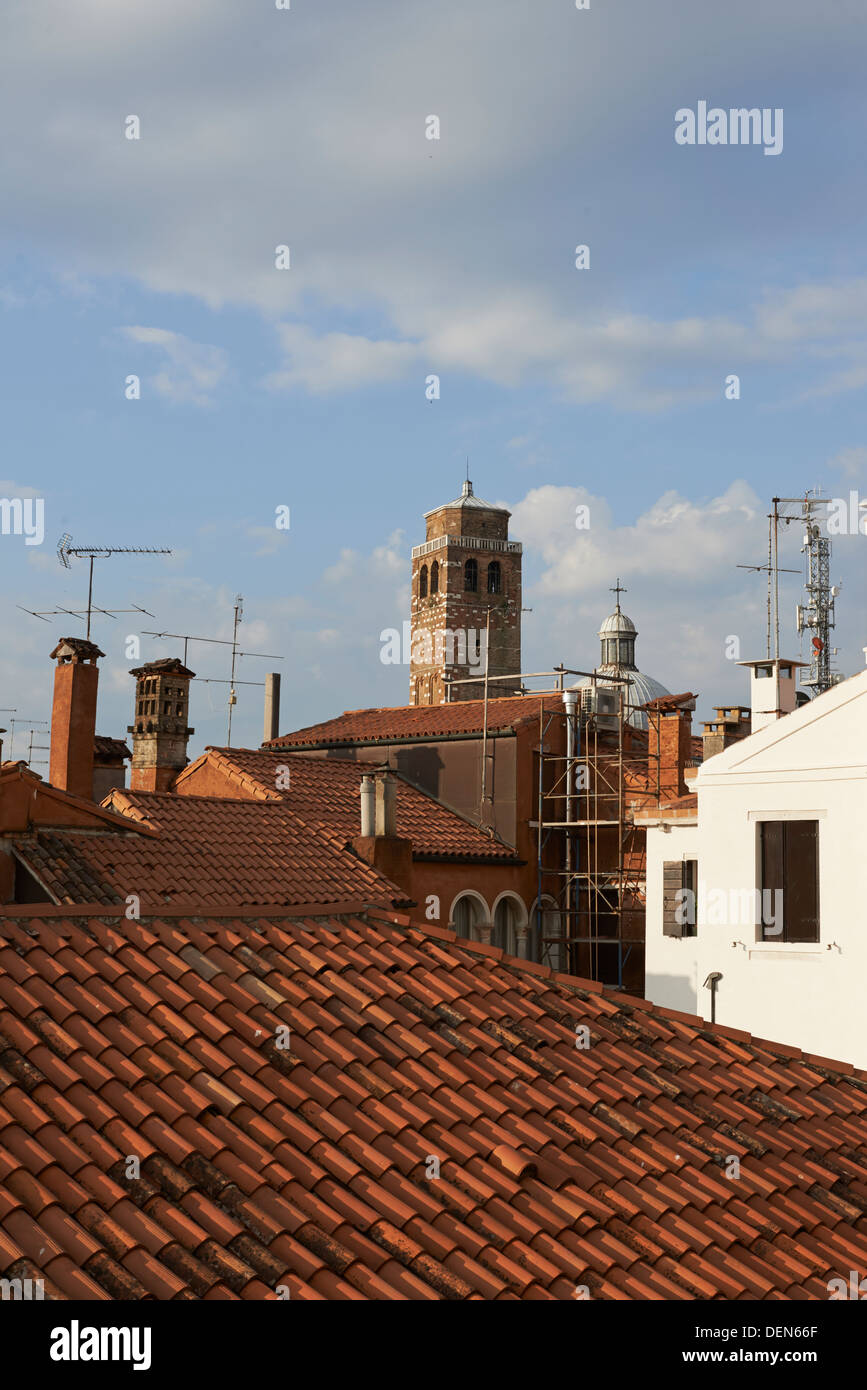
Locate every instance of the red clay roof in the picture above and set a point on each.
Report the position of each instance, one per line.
(419, 721)
(327, 790)
(243, 853)
(314, 1167)
(670, 702)
(105, 747)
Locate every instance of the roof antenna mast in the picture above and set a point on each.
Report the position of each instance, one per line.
(65, 548)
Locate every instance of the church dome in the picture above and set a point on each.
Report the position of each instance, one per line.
(617, 658)
(617, 624)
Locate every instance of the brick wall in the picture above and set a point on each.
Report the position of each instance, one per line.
(454, 609)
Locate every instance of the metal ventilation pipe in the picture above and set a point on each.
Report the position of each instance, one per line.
(272, 706)
(368, 802)
(570, 702)
(711, 983)
(570, 705)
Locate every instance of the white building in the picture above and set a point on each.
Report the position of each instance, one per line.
(772, 849)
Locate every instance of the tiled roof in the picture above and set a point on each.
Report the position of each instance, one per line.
(419, 721)
(327, 789)
(105, 747)
(244, 853)
(672, 702)
(314, 1167)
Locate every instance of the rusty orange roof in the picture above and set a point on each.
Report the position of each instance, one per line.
(105, 747)
(245, 853)
(356, 1108)
(407, 722)
(327, 790)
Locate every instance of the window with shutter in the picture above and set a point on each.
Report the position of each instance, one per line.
(789, 865)
(679, 889)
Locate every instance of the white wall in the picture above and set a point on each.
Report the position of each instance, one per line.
(810, 764)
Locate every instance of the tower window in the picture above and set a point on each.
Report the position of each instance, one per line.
(435, 577)
(422, 582)
(167, 709)
(471, 576)
(494, 579)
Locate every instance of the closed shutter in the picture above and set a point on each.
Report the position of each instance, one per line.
(672, 898)
(801, 892)
(790, 865)
(773, 870)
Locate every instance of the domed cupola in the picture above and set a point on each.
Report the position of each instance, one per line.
(617, 658)
(617, 635)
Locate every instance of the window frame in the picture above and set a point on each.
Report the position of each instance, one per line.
(791, 851)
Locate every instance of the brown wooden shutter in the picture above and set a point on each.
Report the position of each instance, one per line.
(801, 887)
(672, 883)
(773, 870)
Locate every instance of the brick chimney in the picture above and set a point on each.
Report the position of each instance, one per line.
(730, 724)
(160, 731)
(669, 743)
(383, 849)
(73, 715)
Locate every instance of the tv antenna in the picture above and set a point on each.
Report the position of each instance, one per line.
(186, 638)
(818, 612)
(773, 570)
(65, 549)
(31, 728)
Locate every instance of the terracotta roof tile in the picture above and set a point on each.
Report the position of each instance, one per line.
(327, 790)
(223, 853)
(312, 1168)
(417, 721)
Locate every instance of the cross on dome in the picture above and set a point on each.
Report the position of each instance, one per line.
(618, 589)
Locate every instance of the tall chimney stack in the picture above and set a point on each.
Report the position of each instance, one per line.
(669, 742)
(160, 731)
(772, 689)
(73, 715)
(272, 706)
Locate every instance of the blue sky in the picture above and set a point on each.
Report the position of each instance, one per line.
(306, 387)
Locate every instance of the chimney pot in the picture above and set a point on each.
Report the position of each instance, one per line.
(386, 804)
(161, 731)
(368, 798)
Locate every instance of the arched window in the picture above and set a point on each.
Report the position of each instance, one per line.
(435, 577)
(471, 576)
(422, 582)
(508, 916)
(494, 579)
(467, 915)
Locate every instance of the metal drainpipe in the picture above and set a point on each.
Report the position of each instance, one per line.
(573, 743)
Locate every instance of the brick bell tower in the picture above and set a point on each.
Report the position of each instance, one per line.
(160, 731)
(466, 569)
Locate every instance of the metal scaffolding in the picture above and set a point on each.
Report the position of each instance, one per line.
(590, 854)
(589, 914)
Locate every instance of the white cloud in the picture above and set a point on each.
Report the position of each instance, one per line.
(338, 361)
(192, 372)
(852, 463)
(317, 141)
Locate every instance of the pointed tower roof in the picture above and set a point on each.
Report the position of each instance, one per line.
(469, 499)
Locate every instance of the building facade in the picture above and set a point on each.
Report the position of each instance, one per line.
(766, 857)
